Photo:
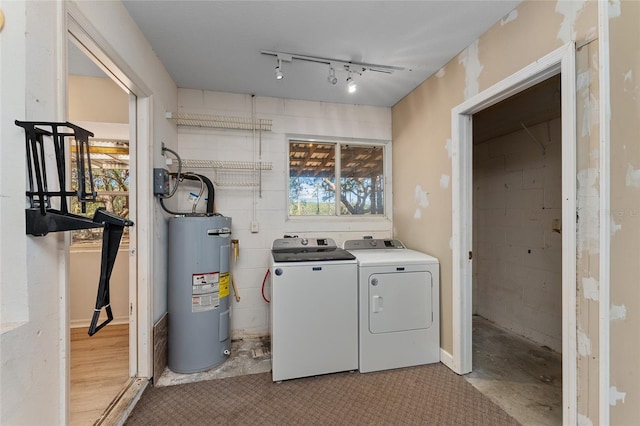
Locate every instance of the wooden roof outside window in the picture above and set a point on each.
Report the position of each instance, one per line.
(310, 159)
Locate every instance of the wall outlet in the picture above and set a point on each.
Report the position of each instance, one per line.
(255, 226)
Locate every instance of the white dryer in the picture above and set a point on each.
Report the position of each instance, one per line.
(398, 304)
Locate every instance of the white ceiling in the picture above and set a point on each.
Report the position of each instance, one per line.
(216, 45)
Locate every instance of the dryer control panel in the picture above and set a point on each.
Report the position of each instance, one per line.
(368, 244)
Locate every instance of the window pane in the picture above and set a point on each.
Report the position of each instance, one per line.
(361, 180)
(110, 172)
(312, 178)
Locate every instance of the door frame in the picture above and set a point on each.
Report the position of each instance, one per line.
(560, 61)
(141, 239)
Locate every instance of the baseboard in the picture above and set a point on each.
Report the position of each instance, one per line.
(120, 408)
(87, 322)
(447, 359)
(160, 346)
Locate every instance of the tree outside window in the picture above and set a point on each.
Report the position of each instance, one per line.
(110, 170)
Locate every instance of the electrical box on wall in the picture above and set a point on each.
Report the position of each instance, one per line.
(161, 184)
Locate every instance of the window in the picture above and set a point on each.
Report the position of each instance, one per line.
(321, 186)
(110, 171)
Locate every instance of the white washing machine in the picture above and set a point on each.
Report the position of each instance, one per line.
(399, 305)
(314, 308)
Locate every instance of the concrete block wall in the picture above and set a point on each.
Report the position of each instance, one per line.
(268, 205)
(517, 243)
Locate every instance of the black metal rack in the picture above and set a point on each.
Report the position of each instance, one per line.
(41, 218)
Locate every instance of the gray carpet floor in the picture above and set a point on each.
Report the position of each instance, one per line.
(423, 395)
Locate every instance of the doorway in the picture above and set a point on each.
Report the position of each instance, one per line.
(517, 248)
(99, 364)
(562, 62)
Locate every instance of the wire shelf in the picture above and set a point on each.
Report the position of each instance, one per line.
(230, 173)
(231, 165)
(220, 121)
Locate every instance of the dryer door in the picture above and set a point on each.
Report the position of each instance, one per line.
(400, 301)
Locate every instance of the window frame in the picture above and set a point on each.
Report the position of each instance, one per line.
(370, 222)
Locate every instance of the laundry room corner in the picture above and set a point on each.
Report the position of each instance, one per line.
(257, 200)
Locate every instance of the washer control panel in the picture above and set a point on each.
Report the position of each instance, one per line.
(292, 244)
(368, 244)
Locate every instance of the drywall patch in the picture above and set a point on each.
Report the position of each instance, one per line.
(629, 85)
(570, 10)
(627, 77)
(633, 177)
(588, 211)
(592, 34)
(590, 288)
(614, 227)
(583, 80)
(584, 420)
(512, 16)
(591, 112)
(441, 72)
(614, 8)
(449, 147)
(421, 198)
(444, 181)
(584, 344)
(469, 59)
(615, 395)
(617, 312)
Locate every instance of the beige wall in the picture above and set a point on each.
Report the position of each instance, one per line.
(422, 151)
(84, 276)
(625, 213)
(422, 123)
(97, 99)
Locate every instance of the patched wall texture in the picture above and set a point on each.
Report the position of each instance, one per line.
(625, 212)
(422, 154)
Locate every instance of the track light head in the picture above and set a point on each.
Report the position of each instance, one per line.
(332, 79)
(279, 74)
(351, 84)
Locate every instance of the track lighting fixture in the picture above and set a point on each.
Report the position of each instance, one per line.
(334, 64)
(279, 75)
(332, 79)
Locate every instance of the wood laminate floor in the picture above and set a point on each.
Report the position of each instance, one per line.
(99, 370)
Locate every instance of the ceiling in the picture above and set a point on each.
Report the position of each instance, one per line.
(216, 45)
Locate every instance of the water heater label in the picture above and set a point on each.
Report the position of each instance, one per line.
(224, 284)
(205, 291)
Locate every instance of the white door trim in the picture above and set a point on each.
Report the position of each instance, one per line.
(561, 60)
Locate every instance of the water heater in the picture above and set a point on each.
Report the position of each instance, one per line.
(198, 292)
